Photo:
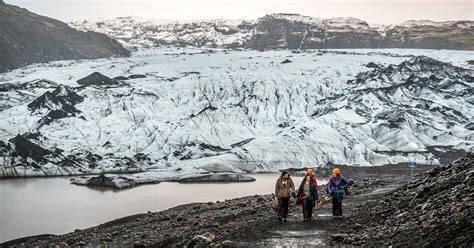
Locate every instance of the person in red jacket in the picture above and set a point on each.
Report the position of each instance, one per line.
(308, 196)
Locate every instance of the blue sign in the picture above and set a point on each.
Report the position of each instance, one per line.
(412, 164)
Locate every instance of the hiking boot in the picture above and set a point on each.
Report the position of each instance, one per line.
(279, 220)
(284, 220)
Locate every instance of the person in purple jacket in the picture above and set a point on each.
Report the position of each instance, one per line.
(337, 186)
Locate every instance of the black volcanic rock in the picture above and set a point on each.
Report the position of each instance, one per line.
(112, 181)
(96, 79)
(55, 115)
(286, 61)
(60, 102)
(62, 98)
(25, 148)
(27, 38)
(133, 76)
(372, 65)
(120, 78)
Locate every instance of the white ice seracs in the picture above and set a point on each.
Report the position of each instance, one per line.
(220, 111)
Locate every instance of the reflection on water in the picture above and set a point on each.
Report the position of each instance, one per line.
(51, 205)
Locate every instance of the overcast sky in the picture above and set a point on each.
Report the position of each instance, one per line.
(372, 11)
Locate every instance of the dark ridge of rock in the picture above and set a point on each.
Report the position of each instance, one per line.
(470, 62)
(372, 65)
(241, 143)
(62, 98)
(133, 76)
(187, 73)
(205, 146)
(302, 32)
(112, 181)
(208, 107)
(458, 35)
(470, 126)
(16, 94)
(286, 61)
(97, 79)
(42, 83)
(56, 115)
(120, 78)
(28, 38)
(417, 64)
(27, 149)
(417, 73)
(35, 136)
(101, 181)
(429, 211)
(60, 102)
(293, 31)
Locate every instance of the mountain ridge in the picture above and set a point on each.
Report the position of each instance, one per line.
(27, 38)
(286, 31)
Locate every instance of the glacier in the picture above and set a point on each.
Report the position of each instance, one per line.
(189, 112)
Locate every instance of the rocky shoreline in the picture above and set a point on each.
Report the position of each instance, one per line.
(383, 209)
(433, 210)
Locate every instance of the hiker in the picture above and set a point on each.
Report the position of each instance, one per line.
(308, 196)
(310, 172)
(284, 187)
(337, 186)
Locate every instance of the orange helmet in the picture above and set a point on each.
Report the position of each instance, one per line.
(336, 171)
(309, 171)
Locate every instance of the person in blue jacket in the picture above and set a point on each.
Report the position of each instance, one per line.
(337, 186)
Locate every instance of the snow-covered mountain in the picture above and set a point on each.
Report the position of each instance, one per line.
(285, 31)
(199, 110)
(136, 31)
